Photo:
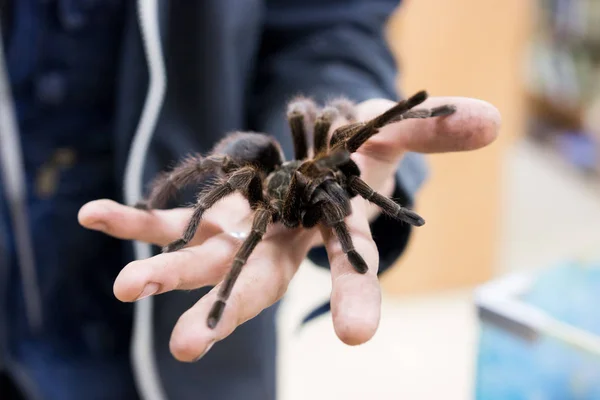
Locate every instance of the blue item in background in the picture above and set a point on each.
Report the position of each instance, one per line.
(542, 343)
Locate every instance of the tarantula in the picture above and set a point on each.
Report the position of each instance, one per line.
(314, 188)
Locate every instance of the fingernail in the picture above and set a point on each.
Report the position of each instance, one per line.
(210, 345)
(149, 290)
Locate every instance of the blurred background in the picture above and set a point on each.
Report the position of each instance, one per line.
(495, 297)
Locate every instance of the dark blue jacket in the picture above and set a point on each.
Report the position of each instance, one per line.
(80, 79)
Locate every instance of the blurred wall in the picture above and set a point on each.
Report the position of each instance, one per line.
(461, 48)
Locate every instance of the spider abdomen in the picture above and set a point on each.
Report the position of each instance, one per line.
(249, 148)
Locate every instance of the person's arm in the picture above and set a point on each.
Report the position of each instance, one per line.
(326, 49)
(290, 66)
(355, 298)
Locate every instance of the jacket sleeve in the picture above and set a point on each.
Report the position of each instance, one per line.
(324, 49)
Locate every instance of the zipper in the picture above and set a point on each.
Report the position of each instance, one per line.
(13, 175)
(142, 348)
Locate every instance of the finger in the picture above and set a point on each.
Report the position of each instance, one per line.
(474, 124)
(190, 268)
(158, 227)
(263, 281)
(355, 298)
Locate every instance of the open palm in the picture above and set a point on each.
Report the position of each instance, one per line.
(355, 298)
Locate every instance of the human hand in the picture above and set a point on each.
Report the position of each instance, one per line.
(355, 298)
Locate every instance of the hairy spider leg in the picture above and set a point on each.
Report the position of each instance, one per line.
(341, 134)
(238, 180)
(340, 107)
(333, 216)
(262, 218)
(326, 161)
(322, 125)
(301, 113)
(305, 181)
(386, 204)
(353, 136)
(309, 176)
(192, 169)
(345, 107)
(426, 113)
(371, 127)
(334, 159)
(293, 201)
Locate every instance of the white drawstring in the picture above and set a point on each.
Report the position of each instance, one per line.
(13, 175)
(144, 364)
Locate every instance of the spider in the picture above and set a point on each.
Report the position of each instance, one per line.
(314, 188)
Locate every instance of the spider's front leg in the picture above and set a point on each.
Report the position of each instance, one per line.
(340, 107)
(301, 114)
(333, 214)
(262, 218)
(238, 180)
(352, 136)
(386, 204)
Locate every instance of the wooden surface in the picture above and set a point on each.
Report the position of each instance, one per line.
(464, 48)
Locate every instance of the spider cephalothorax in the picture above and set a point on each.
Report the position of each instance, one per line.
(314, 188)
